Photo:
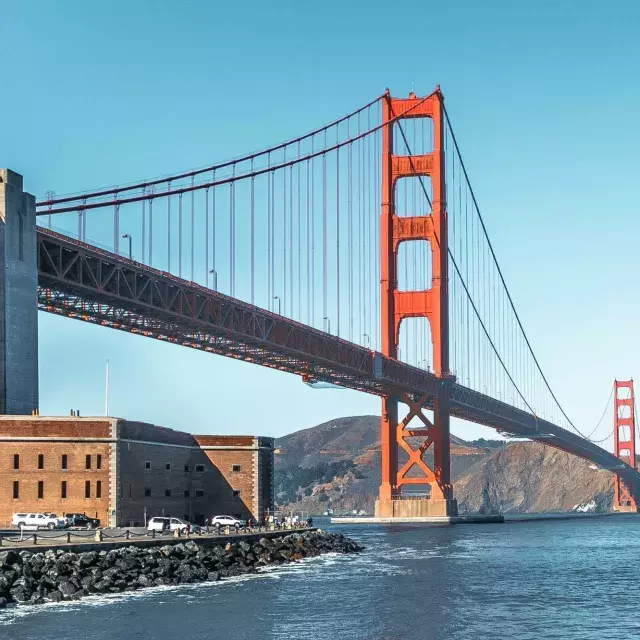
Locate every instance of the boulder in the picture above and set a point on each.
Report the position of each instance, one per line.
(55, 596)
(10, 557)
(88, 559)
(67, 588)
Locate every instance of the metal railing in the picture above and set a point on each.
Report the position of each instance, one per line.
(103, 535)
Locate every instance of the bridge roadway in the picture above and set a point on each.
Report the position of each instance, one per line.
(81, 281)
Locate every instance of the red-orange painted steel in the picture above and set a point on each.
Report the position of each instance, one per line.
(624, 441)
(431, 304)
(80, 281)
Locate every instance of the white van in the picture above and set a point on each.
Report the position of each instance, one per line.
(166, 524)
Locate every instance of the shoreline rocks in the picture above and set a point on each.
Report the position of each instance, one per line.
(59, 575)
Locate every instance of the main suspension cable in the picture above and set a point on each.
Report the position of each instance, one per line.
(504, 284)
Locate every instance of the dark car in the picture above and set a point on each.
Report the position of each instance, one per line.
(81, 520)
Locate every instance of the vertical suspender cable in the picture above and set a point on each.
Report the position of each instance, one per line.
(313, 237)
(291, 293)
(143, 230)
(252, 236)
(284, 234)
(151, 232)
(273, 239)
(324, 236)
(193, 225)
(369, 261)
(269, 224)
(169, 228)
(337, 236)
(213, 231)
(206, 236)
(364, 239)
(309, 232)
(350, 233)
(116, 225)
(232, 232)
(299, 280)
(180, 236)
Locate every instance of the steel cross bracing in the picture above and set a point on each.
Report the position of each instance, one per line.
(81, 281)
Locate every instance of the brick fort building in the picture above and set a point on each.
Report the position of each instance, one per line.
(126, 472)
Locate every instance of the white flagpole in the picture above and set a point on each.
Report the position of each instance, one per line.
(106, 391)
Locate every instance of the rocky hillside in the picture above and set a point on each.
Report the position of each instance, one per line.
(337, 464)
(527, 477)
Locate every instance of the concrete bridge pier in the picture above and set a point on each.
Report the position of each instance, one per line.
(18, 297)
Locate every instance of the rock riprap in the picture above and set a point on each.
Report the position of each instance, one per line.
(59, 574)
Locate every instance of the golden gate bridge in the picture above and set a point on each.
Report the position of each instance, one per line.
(355, 254)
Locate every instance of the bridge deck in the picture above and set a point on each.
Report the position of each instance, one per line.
(81, 281)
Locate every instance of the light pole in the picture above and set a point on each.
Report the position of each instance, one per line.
(279, 304)
(128, 237)
(214, 274)
(367, 339)
(106, 390)
(328, 323)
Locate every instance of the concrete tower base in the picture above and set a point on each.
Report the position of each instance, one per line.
(18, 297)
(420, 508)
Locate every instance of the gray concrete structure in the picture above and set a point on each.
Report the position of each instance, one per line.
(18, 297)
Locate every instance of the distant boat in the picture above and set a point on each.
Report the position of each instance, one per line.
(328, 512)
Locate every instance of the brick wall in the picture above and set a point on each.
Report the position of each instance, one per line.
(233, 491)
(40, 427)
(52, 475)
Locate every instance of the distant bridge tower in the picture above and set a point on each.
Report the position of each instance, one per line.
(624, 442)
(432, 304)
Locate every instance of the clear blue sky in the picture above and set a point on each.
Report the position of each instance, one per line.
(544, 97)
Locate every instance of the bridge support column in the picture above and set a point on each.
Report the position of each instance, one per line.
(18, 297)
(624, 442)
(432, 304)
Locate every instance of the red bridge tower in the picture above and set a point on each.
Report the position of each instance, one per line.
(432, 304)
(624, 441)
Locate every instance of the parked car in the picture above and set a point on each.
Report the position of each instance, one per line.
(168, 524)
(223, 521)
(81, 520)
(36, 521)
(62, 522)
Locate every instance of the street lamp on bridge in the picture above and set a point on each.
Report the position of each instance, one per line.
(327, 323)
(126, 236)
(279, 304)
(214, 274)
